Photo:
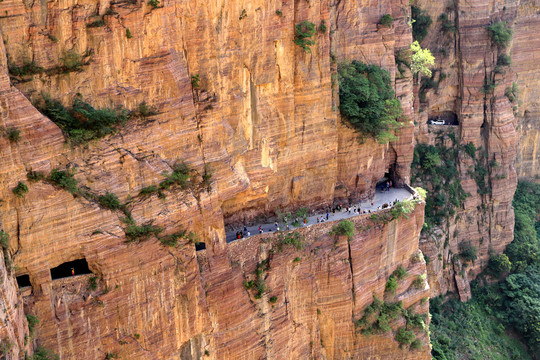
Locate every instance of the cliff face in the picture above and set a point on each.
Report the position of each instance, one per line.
(468, 60)
(264, 119)
(524, 50)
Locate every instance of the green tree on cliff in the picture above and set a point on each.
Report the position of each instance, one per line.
(367, 100)
(421, 60)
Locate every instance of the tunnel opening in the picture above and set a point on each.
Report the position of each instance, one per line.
(23, 281)
(70, 268)
(443, 118)
(200, 246)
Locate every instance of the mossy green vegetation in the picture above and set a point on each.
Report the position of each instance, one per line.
(367, 100)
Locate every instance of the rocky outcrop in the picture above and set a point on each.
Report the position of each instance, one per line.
(487, 120)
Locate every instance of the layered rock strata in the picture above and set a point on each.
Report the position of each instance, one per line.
(263, 118)
(486, 119)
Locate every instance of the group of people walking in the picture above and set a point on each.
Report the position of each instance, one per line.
(303, 221)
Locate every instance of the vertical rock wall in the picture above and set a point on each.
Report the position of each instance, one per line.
(264, 118)
(486, 120)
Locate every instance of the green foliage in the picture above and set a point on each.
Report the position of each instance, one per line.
(294, 239)
(71, 61)
(422, 192)
(470, 331)
(33, 321)
(436, 166)
(416, 344)
(20, 189)
(243, 15)
(499, 264)
(378, 315)
(173, 239)
(259, 285)
(511, 92)
(154, 4)
(304, 32)
(403, 57)
(447, 25)
(387, 20)
(273, 299)
(421, 24)
(489, 86)
(42, 353)
(138, 233)
(403, 208)
(144, 110)
(28, 68)
(93, 282)
(99, 22)
(404, 336)
(128, 33)
(421, 60)
(500, 33)
(82, 122)
(4, 240)
(504, 60)
(279, 13)
(344, 227)
(400, 273)
(151, 189)
(64, 179)
(302, 213)
(12, 134)
(180, 175)
(111, 355)
(391, 285)
(419, 282)
(367, 100)
(195, 81)
(5, 346)
(470, 149)
(109, 201)
(467, 251)
(322, 27)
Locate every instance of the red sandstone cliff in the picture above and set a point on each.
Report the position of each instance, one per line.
(264, 119)
(467, 57)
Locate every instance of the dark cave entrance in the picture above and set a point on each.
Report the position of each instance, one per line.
(70, 268)
(23, 281)
(388, 176)
(200, 246)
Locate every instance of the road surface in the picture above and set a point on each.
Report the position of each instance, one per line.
(379, 199)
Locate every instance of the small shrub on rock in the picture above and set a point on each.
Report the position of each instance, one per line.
(344, 227)
(304, 31)
(387, 20)
(20, 190)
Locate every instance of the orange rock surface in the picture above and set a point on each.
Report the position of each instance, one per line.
(487, 121)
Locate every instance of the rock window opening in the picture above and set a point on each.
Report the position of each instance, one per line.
(200, 246)
(70, 268)
(23, 281)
